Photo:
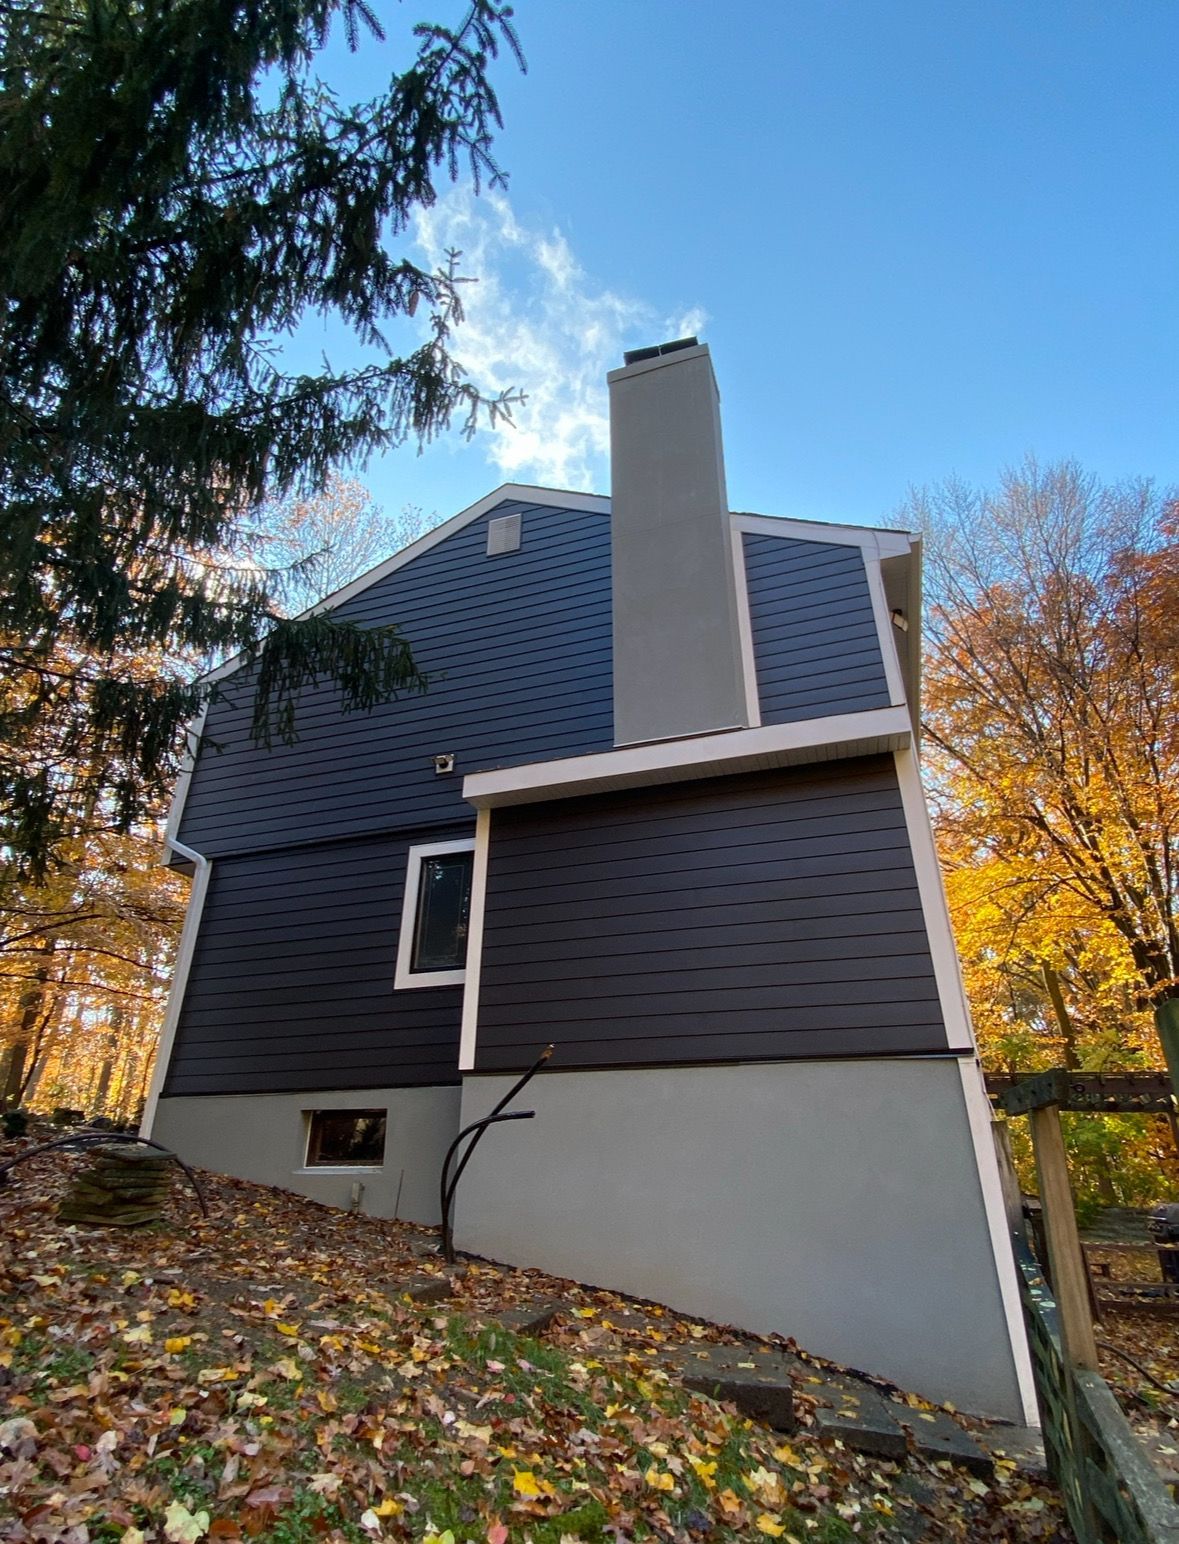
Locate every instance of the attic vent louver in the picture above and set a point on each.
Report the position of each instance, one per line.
(503, 535)
(633, 355)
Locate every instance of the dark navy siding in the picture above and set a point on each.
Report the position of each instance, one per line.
(761, 917)
(814, 632)
(518, 650)
(291, 984)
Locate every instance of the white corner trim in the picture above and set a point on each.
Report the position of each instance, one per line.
(960, 1034)
(184, 954)
(936, 909)
(745, 630)
(192, 745)
(875, 541)
(715, 755)
(470, 1026)
(405, 976)
(524, 493)
(885, 632)
(978, 1115)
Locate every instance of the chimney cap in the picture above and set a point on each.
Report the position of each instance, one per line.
(632, 356)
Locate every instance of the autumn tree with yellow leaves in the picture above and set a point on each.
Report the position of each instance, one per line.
(1052, 755)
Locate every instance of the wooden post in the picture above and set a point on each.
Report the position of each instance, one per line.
(1070, 1284)
(1009, 1183)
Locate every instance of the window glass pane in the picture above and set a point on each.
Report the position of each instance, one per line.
(346, 1136)
(444, 906)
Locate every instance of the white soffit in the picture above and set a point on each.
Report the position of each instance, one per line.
(715, 755)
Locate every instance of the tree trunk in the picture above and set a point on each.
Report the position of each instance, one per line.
(1067, 1032)
(28, 1012)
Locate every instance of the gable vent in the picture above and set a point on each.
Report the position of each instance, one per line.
(503, 535)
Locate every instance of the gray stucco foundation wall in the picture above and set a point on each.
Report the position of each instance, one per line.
(837, 1202)
(263, 1137)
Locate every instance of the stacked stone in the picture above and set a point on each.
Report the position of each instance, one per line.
(124, 1186)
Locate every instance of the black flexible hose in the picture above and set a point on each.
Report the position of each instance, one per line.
(479, 1127)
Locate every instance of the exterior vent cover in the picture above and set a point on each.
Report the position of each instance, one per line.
(503, 535)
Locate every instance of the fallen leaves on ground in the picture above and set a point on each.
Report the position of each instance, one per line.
(261, 1376)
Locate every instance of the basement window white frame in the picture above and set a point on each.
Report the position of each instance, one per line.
(411, 971)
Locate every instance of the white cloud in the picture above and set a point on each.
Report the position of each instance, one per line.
(536, 321)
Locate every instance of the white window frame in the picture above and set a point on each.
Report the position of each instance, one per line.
(405, 975)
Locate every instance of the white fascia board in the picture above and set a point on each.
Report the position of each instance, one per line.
(553, 498)
(192, 741)
(745, 631)
(468, 1034)
(202, 872)
(886, 632)
(714, 755)
(874, 540)
(951, 990)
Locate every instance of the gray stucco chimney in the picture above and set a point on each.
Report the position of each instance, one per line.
(677, 648)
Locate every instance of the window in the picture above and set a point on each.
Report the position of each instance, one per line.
(436, 914)
(344, 1138)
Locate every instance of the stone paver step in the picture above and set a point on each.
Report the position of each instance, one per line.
(757, 1381)
(531, 1318)
(937, 1435)
(423, 1288)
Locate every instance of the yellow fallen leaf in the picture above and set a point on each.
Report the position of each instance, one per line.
(326, 1401)
(182, 1526)
(286, 1329)
(729, 1502)
(480, 1433)
(287, 1367)
(770, 1525)
(659, 1480)
(176, 1343)
(139, 1336)
(389, 1508)
(524, 1482)
(177, 1416)
(704, 1471)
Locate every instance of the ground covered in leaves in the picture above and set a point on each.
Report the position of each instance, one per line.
(1139, 1351)
(260, 1375)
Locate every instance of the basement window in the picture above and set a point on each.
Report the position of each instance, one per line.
(345, 1138)
(436, 914)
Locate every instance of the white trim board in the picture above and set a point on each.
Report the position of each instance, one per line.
(959, 1031)
(716, 755)
(405, 977)
(192, 745)
(469, 1032)
(745, 628)
(184, 953)
(875, 540)
(886, 632)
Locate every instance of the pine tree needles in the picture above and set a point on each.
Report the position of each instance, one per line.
(177, 192)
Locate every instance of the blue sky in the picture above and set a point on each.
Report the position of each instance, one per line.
(922, 237)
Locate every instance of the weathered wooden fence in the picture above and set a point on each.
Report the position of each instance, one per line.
(1111, 1488)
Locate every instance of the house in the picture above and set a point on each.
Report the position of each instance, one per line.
(661, 807)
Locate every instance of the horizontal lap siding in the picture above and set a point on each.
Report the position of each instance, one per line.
(814, 631)
(518, 651)
(291, 984)
(760, 917)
